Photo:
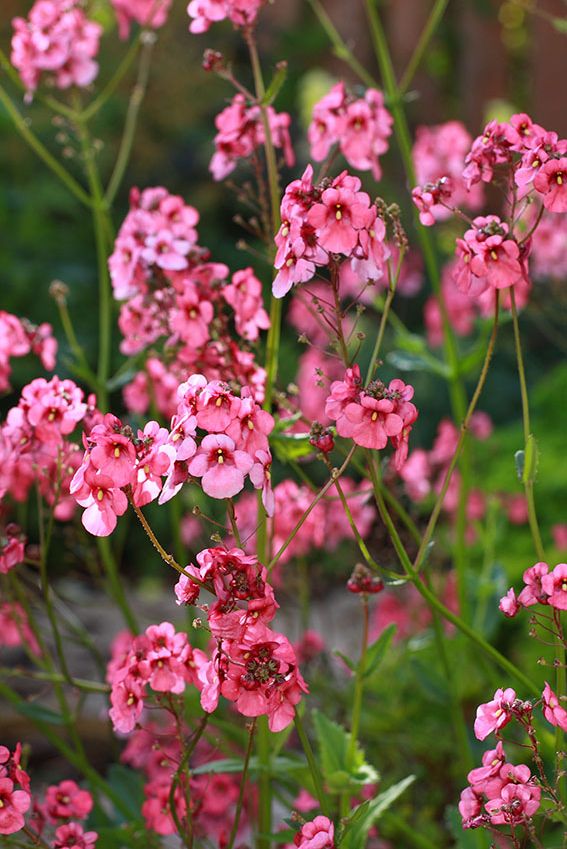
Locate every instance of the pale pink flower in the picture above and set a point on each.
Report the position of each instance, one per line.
(495, 714)
(221, 466)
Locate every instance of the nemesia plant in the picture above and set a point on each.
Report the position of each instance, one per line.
(236, 721)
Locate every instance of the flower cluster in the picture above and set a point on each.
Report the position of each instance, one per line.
(172, 292)
(252, 666)
(360, 126)
(161, 658)
(242, 13)
(147, 13)
(240, 132)
(56, 40)
(15, 796)
(488, 257)
(439, 159)
(542, 586)
(327, 225)
(19, 337)
(155, 749)
(325, 527)
(424, 471)
(509, 794)
(374, 414)
(34, 444)
(118, 464)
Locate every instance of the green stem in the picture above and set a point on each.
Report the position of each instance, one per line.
(115, 584)
(113, 83)
(434, 602)
(528, 437)
(101, 228)
(263, 743)
(464, 427)
(147, 40)
(73, 342)
(427, 34)
(456, 386)
(39, 148)
(78, 760)
(242, 790)
(313, 765)
(384, 320)
(340, 48)
(356, 702)
(54, 677)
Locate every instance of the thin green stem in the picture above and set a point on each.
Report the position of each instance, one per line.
(434, 602)
(73, 342)
(316, 776)
(109, 89)
(335, 474)
(101, 228)
(462, 436)
(528, 436)
(147, 40)
(340, 49)
(39, 148)
(356, 702)
(115, 585)
(56, 678)
(384, 320)
(243, 787)
(427, 34)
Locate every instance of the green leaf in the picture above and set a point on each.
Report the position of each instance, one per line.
(129, 785)
(346, 660)
(410, 361)
(340, 772)
(377, 650)
(560, 24)
(291, 446)
(278, 766)
(275, 85)
(366, 815)
(40, 713)
(530, 461)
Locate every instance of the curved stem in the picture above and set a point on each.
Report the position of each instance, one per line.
(427, 33)
(147, 40)
(434, 602)
(462, 436)
(39, 148)
(528, 474)
(242, 791)
(107, 92)
(313, 765)
(356, 702)
(115, 584)
(340, 48)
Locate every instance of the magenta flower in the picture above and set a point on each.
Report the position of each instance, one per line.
(66, 800)
(103, 501)
(494, 715)
(13, 805)
(509, 604)
(533, 592)
(554, 585)
(73, 836)
(317, 834)
(551, 182)
(552, 709)
(221, 467)
(341, 213)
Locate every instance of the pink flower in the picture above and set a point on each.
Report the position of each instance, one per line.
(533, 592)
(261, 477)
(518, 800)
(552, 709)
(73, 836)
(551, 182)
(341, 213)
(495, 714)
(56, 40)
(221, 467)
(509, 604)
(554, 585)
(127, 703)
(318, 834)
(244, 294)
(147, 13)
(103, 502)
(559, 533)
(13, 805)
(15, 629)
(66, 800)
